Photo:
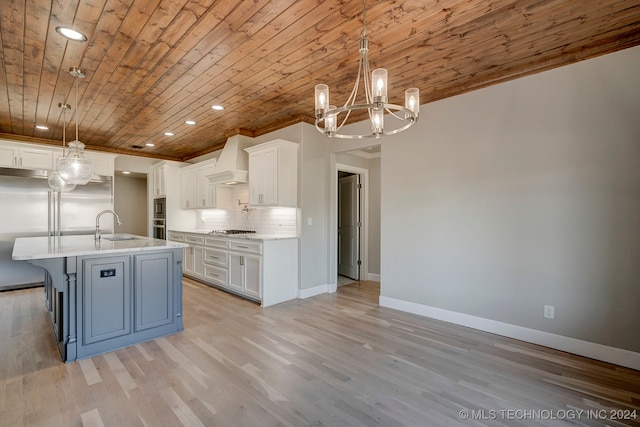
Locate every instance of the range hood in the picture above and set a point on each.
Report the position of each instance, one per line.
(233, 163)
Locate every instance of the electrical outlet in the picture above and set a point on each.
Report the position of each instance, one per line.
(549, 311)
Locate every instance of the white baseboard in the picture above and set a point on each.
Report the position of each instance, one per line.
(592, 350)
(373, 277)
(312, 292)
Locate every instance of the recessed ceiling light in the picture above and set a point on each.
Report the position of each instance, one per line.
(217, 107)
(71, 34)
(190, 122)
(125, 172)
(42, 127)
(150, 144)
(169, 134)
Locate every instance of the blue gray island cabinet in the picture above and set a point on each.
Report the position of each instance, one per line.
(109, 293)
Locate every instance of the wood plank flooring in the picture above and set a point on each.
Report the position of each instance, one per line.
(331, 360)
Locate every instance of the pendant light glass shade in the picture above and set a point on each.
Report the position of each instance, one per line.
(58, 184)
(74, 167)
(55, 179)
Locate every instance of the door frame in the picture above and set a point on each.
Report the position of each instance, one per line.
(357, 207)
(333, 222)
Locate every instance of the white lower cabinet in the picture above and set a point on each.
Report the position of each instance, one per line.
(245, 274)
(193, 261)
(261, 270)
(193, 256)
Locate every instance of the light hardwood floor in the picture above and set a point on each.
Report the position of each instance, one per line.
(331, 360)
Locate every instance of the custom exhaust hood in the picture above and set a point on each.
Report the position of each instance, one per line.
(233, 163)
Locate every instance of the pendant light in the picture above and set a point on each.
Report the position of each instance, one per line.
(55, 180)
(375, 103)
(74, 167)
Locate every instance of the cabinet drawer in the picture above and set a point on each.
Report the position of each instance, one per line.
(215, 275)
(245, 246)
(216, 243)
(197, 240)
(215, 257)
(176, 237)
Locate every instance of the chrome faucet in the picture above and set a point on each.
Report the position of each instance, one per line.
(97, 235)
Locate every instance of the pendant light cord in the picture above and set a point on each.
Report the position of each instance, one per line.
(77, 80)
(64, 127)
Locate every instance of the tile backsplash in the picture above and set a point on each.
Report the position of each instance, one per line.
(275, 221)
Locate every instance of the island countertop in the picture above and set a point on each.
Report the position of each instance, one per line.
(30, 248)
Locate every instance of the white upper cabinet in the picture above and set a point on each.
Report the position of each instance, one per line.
(25, 156)
(103, 163)
(159, 184)
(189, 193)
(273, 174)
(198, 192)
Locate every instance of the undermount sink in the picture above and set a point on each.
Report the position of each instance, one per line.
(115, 237)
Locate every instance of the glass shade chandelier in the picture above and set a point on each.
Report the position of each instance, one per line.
(55, 180)
(74, 167)
(330, 119)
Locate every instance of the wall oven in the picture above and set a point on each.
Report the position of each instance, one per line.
(159, 218)
(159, 230)
(159, 207)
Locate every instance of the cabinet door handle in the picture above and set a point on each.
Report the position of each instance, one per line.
(241, 259)
(243, 247)
(203, 202)
(15, 161)
(260, 198)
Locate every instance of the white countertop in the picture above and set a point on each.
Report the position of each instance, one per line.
(27, 248)
(248, 236)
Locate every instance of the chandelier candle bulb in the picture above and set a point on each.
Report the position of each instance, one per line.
(379, 84)
(322, 97)
(377, 122)
(412, 100)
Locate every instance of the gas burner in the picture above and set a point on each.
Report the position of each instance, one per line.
(232, 231)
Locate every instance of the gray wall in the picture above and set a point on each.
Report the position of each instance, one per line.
(130, 202)
(374, 215)
(523, 194)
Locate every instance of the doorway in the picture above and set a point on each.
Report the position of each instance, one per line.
(349, 227)
(130, 201)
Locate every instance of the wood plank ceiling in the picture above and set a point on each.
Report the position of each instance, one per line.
(152, 64)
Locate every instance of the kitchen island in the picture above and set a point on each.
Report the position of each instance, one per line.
(109, 293)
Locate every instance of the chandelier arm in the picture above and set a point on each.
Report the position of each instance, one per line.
(394, 114)
(367, 83)
(346, 117)
(354, 92)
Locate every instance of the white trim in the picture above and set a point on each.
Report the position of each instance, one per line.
(592, 350)
(312, 292)
(373, 277)
(365, 154)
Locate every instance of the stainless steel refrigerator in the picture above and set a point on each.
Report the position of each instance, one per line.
(25, 210)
